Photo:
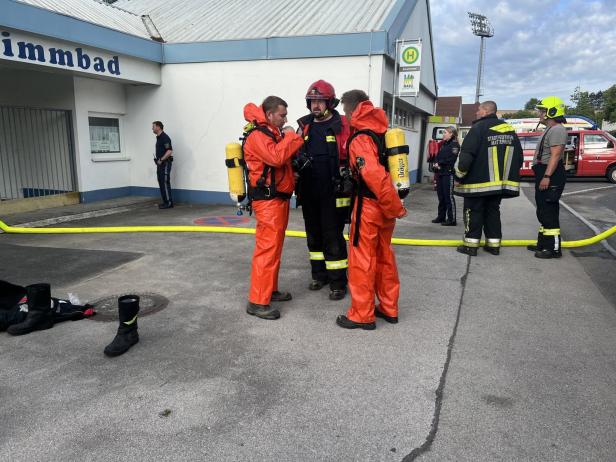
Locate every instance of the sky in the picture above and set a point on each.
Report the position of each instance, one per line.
(539, 48)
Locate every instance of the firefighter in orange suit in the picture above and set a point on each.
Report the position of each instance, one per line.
(372, 264)
(268, 150)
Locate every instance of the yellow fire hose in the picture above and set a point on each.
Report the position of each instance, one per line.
(229, 230)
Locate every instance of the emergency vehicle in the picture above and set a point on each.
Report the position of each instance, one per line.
(531, 124)
(588, 153)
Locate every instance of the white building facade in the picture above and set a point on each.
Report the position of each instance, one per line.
(81, 81)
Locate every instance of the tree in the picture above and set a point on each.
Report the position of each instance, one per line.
(526, 113)
(609, 104)
(523, 114)
(596, 100)
(531, 104)
(583, 104)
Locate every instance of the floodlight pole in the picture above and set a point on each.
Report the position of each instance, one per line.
(481, 28)
(478, 89)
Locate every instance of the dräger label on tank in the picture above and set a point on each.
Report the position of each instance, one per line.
(399, 165)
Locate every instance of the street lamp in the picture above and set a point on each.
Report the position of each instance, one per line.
(481, 28)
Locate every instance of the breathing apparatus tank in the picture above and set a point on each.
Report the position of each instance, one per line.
(397, 152)
(235, 172)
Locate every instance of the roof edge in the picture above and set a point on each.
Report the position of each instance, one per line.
(396, 21)
(33, 19)
(306, 46)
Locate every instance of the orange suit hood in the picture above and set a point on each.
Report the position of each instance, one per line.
(368, 117)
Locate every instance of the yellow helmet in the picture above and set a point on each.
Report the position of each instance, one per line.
(553, 105)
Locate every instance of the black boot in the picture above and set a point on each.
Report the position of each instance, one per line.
(550, 243)
(390, 319)
(127, 336)
(538, 246)
(316, 284)
(472, 251)
(546, 254)
(337, 294)
(281, 296)
(40, 315)
(346, 323)
(492, 250)
(262, 311)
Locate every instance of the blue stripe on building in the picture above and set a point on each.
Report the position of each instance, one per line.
(190, 196)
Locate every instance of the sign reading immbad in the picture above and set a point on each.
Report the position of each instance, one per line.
(410, 66)
(17, 47)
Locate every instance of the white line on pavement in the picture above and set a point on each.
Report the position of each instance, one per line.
(588, 190)
(596, 230)
(76, 217)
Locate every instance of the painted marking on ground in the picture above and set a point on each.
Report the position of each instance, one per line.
(571, 193)
(226, 220)
(596, 230)
(80, 216)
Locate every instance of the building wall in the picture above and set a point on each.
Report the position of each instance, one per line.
(418, 27)
(98, 172)
(32, 88)
(201, 105)
(25, 87)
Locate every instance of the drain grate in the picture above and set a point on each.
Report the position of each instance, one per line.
(107, 307)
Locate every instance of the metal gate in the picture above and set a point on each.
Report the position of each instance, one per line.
(36, 153)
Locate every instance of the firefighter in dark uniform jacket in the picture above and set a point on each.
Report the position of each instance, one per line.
(488, 169)
(444, 163)
(324, 188)
(163, 160)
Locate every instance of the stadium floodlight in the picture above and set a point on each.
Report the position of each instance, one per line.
(483, 29)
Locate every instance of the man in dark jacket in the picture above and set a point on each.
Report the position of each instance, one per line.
(163, 158)
(488, 169)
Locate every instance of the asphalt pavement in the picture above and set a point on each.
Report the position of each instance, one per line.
(495, 357)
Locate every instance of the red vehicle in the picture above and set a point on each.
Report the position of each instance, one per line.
(587, 153)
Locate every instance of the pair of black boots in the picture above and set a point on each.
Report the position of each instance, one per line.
(40, 317)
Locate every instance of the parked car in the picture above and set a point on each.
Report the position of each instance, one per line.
(588, 153)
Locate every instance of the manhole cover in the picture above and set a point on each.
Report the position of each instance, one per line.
(107, 307)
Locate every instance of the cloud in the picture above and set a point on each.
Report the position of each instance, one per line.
(538, 48)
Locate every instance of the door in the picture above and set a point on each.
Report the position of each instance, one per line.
(596, 152)
(529, 145)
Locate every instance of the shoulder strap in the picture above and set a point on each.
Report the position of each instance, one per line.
(268, 169)
(378, 140)
(540, 150)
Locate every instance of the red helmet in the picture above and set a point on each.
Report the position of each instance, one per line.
(322, 90)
